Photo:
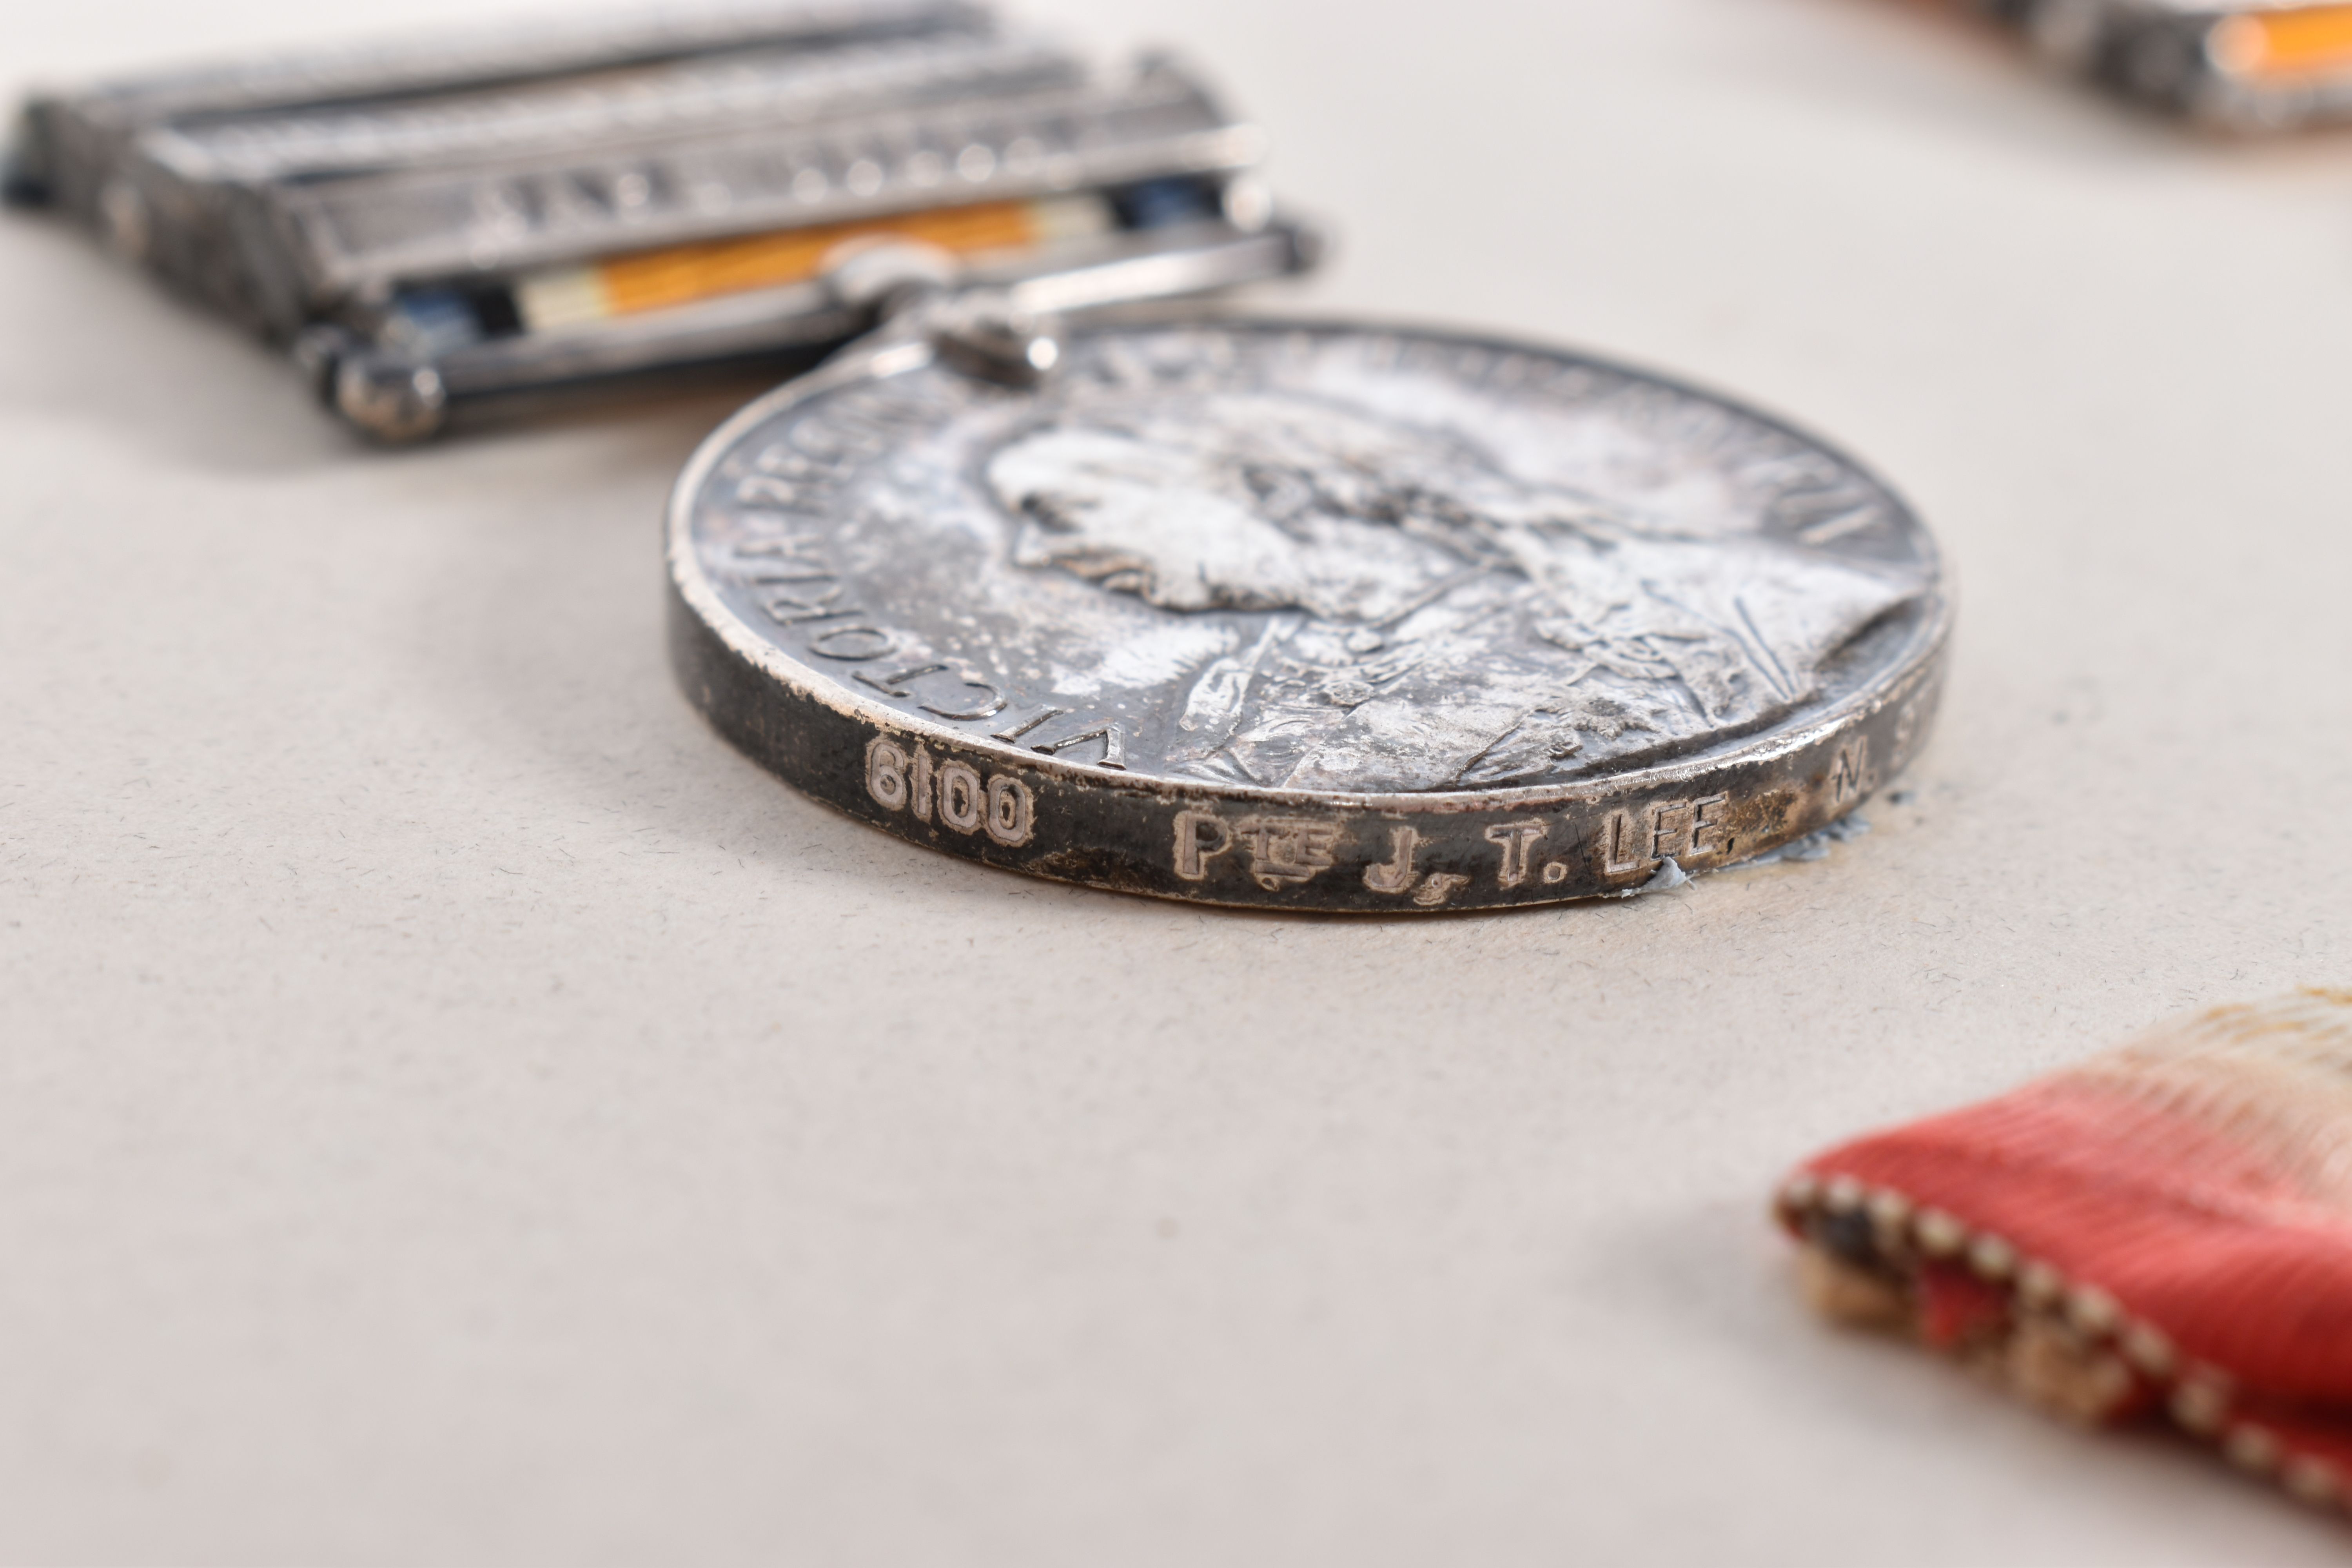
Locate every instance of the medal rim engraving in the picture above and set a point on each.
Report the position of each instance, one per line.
(702, 617)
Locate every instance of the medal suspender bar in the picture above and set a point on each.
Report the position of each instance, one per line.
(512, 228)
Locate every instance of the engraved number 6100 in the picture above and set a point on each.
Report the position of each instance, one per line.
(898, 782)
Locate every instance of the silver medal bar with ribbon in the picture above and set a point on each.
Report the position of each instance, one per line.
(469, 221)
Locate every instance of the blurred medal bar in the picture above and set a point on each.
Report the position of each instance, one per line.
(469, 221)
(2237, 65)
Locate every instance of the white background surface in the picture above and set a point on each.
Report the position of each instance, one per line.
(454, 1110)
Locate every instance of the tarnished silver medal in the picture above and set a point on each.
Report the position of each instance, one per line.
(1304, 617)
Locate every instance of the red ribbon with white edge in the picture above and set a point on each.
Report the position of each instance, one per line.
(2162, 1232)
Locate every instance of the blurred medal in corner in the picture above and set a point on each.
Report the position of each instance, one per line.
(2249, 66)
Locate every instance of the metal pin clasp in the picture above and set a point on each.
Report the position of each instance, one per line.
(986, 334)
(880, 281)
(907, 289)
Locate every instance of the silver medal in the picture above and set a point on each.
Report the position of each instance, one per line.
(1302, 617)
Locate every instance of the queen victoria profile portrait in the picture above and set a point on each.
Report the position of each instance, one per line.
(1412, 616)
